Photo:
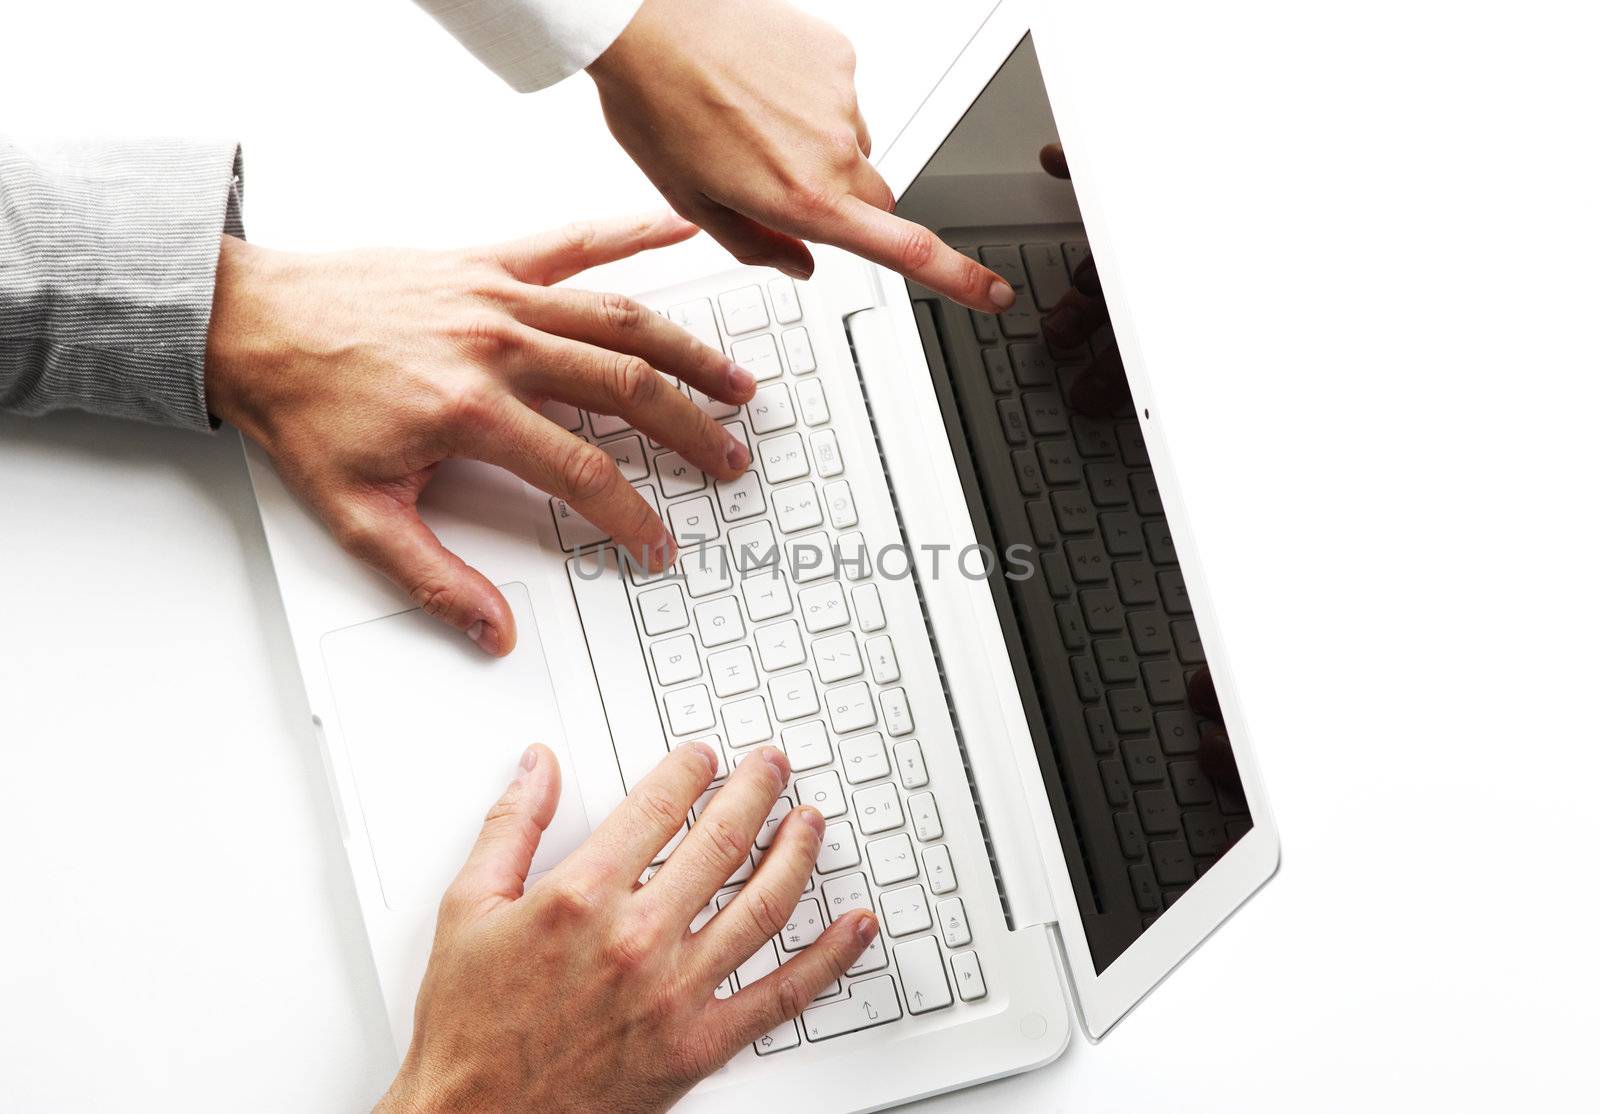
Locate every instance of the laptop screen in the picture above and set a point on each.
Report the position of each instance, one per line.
(1085, 577)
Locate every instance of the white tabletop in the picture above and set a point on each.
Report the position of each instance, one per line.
(1359, 251)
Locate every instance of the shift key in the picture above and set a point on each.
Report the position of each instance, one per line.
(871, 1002)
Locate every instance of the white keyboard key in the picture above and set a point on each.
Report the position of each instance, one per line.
(794, 696)
(797, 507)
(969, 976)
(953, 925)
(841, 505)
(689, 710)
(575, 531)
(922, 975)
(839, 849)
(811, 557)
(821, 791)
(863, 758)
(892, 859)
(563, 414)
(908, 763)
(612, 633)
(906, 911)
(813, 401)
(719, 622)
(715, 743)
(766, 596)
(797, 346)
(785, 300)
(678, 476)
(807, 746)
(780, 646)
(836, 656)
(746, 722)
(783, 458)
(693, 521)
(754, 546)
(743, 310)
(769, 827)
(677, 659)
(842, 894)
(804, 926)
(822, 608)
(705, 570)
(1047, 273)
(713, 407)
(854, 560)
(759, 356)
(741, 498)
(871, 1002)
(885, 666)
(878, 809)
(925, 817)
(850, 708)
(698, 320)
(825, 447)
(896, 712)
(771, 409)
(604, 425)
(869, 608)
(758, 966)
(628, 452)
(941, 871)
(784, 1037)
(662, 610)
(732, 671)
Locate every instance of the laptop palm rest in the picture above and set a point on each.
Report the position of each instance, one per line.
(434, 730)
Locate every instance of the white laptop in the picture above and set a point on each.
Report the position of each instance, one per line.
(966, 604)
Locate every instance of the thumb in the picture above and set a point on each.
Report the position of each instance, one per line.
(396, 542)
(497, 866)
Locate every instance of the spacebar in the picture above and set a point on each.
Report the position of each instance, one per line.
(619, 665)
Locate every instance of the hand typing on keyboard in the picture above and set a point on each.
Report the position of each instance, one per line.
(744, 115)
(359, 373)
(588, 991)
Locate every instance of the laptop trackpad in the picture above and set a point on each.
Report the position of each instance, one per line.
(434, 730)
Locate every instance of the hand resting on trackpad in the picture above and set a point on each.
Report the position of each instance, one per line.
(434, 729)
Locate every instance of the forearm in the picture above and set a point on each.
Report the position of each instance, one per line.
(108, 258)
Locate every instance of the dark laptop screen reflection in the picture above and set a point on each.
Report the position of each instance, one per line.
(1119, 699)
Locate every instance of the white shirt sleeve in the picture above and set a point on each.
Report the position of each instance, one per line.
(534, 43)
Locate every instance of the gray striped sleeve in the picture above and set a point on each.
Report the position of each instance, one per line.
(108, 257)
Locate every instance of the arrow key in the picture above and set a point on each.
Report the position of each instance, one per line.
(969, 976)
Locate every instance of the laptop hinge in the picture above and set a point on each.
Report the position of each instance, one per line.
(1012, 845)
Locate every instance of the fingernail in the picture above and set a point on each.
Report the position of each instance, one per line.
(738, 455)
(778, 761)
(741, 380)
(530, 759)
(1002, 295)
(795, 272)
(813, 819)
(704, 751)
(867, 929)
(485, 636)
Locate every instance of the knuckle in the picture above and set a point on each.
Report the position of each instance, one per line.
(726, 842)
(631, 382)
(658, 809)
(577, 238)
(630, 945)
(916, 247)
(587, 472)
(358, 534)
(790, 994)
(463, 405)
(434, 598)
(621, 314)
(812, 199)
(767, 917)
(571, 898)
(843, 146)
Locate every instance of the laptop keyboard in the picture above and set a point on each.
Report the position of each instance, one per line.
(1106, 620)
(771, 630)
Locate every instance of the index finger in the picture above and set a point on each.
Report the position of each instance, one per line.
(550, 257)
(916, 253)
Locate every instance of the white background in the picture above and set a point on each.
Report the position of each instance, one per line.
(1359, 240)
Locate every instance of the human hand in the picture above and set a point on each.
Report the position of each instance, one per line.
(360, 372)
(743, 113)
(591, 992)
